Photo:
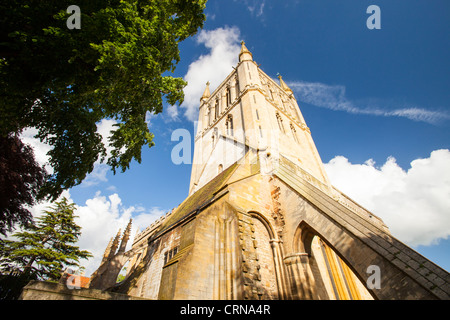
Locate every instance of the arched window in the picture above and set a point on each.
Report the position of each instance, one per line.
(208, 116)
(216, 110)
(294, 133)
(215, 136)
(220, 169)
(280, 123)
(229, 125)
(228, 93)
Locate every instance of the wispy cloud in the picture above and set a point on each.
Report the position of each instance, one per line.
(333, 97)
(256, 7)
(171, 113)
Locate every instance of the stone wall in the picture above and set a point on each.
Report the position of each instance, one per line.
(41, 290)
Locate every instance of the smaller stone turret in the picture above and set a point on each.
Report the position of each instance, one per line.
(284, 86)
(113, 260)
(206, 93)
(114, 245)
(125, 237)
(107, 251)
(245, 54)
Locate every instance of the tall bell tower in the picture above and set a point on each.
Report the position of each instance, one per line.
(262, 220)
(250, 111)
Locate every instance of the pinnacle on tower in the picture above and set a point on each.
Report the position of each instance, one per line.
(245, 54)
(107, 251)
(115, 245)
(283, 85)
(125, 237)
(206, 93)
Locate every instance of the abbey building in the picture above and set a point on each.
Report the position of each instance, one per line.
(262, 219)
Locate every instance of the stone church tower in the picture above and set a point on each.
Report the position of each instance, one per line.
(262, 220)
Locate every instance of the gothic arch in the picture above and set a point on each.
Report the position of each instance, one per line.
(106, 275)
(265, 222)
(263, 237)
(303, 237)
(336, 273)
(228, 96)
(294, 133)
(125, 270)
(280, 122)
(229, 125)
(216, 109)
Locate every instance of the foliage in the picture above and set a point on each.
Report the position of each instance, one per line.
(21, 177)
(122, 275)
(43, 250)
(64, 81)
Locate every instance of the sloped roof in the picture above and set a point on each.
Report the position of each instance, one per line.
(197, 199)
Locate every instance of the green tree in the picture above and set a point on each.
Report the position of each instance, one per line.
(63, 81)
(45, 249)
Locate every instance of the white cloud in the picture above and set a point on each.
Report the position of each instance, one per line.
(215, 66)
(333, 97)
(149, 116)
(38, 208)
(40, 149)
(172, 112)
(414, 204)
(104, 128)
(100, 218)
(98, 174)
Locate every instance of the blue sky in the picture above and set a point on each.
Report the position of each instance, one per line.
(376, 101)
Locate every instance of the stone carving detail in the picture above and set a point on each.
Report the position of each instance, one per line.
(277, 215)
